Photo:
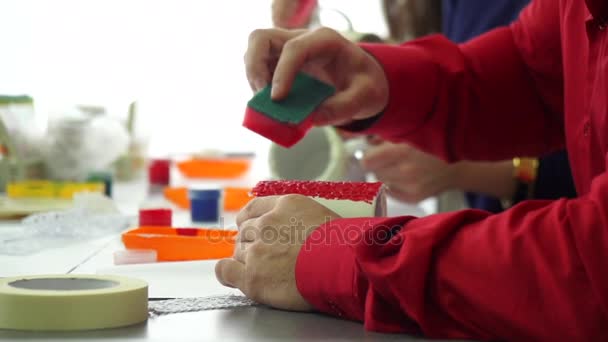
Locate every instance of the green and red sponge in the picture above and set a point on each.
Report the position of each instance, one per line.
(286, 121)
(303, 14)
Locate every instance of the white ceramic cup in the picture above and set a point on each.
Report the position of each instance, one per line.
(321, 155)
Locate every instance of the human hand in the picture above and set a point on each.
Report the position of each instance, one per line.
(282, 10)
(272, 231)
(275, 56)
(410, 174)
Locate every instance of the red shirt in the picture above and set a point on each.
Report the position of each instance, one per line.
(536, 272)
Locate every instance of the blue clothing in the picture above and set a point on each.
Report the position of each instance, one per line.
(466, 19)
(554, 181)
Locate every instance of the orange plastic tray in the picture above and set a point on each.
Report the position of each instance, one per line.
(181, 244)
(234, 198)
(178, 196)
(214, 168)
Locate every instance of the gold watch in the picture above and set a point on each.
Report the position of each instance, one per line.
(525, 171)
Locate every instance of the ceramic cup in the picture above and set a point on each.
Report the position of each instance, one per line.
(321, 155)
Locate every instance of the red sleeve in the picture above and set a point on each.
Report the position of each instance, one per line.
(493, 98)
(536, 272)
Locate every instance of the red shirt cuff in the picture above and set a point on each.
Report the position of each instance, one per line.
(327, 274)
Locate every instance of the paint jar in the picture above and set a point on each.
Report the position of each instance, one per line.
(155, 217)
(159, 174)
(205, 205)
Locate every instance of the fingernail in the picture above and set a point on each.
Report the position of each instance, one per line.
(273, 90)
(259, 85)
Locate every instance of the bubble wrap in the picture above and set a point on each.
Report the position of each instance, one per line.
(92, 216)
(172, 306)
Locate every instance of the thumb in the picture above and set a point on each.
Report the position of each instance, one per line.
(385, 154)
(230, 272)
(282, 11)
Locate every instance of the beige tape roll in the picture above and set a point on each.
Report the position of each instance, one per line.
(71, 302)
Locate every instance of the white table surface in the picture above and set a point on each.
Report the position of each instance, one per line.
(177, 280)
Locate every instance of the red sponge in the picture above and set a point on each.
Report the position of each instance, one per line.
(302, 14)
(284, 134)
(354, 191)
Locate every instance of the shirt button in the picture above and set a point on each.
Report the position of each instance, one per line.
(586, 129)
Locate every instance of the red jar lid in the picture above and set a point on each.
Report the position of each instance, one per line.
(155, 217)
(159, 171)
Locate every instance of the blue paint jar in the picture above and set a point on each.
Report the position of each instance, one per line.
(205, 205)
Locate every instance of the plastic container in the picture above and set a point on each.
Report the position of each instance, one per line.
(135, 256)
(155, 217)
(49, 189)
(216, 168)
(102, 177)
(178, 196)
(159, 172)
(235, 198)
(205, 205)
(24, 125)
(182, 244)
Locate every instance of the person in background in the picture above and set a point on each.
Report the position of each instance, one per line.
(412, 175)
(535, 272)
(548, 177)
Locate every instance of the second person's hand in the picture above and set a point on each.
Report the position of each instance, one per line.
(275, 56)
(410, 174)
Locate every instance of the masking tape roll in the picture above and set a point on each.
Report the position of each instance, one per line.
(71, 302)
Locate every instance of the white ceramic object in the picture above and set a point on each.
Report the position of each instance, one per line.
(352, 209)
(321, 155)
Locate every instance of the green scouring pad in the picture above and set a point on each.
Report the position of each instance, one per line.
(286, 122)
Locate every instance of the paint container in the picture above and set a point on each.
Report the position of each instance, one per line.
(155, 217)
(159, 174)
(135, 256)
(205, 205)
(102, 177)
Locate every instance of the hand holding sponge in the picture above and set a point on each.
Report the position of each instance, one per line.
(286, 121)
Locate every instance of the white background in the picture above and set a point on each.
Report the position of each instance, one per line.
(180, 59)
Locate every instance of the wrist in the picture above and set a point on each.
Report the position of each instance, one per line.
(491, 178)
(457, 176)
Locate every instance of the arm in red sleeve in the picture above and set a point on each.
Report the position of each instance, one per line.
(493, 98)
(536, 272)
